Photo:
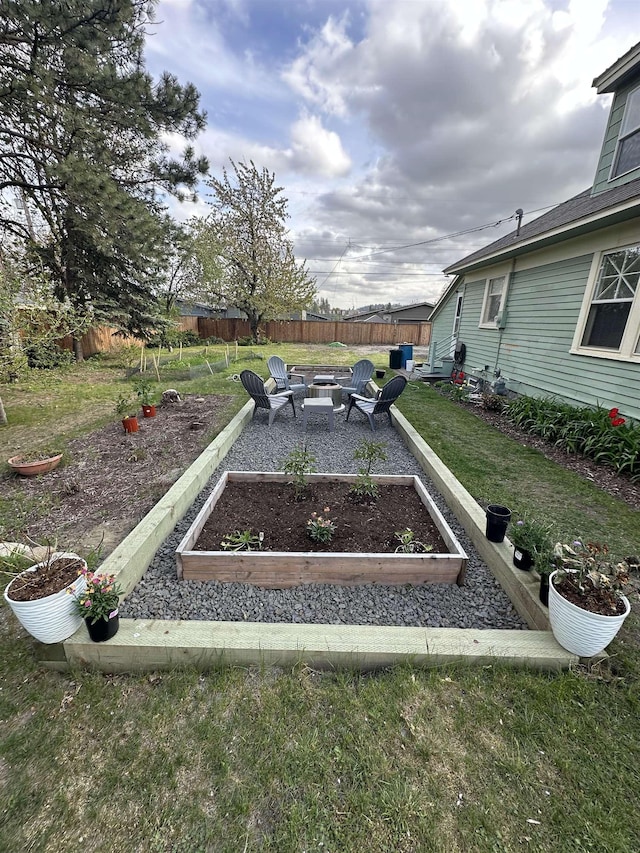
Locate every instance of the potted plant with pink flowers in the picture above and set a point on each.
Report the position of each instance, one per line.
(98, 605)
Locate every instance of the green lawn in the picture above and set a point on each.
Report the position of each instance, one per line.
(443, 759)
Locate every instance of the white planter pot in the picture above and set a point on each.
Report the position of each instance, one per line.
(51, 619)
(579, 631)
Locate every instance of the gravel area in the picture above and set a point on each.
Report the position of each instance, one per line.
(480, 603)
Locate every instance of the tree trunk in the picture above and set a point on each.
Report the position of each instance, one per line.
(254, 322)
(77, 349)
(3, 414)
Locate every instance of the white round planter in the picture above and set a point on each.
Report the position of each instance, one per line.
(579, 631)
(51, 619)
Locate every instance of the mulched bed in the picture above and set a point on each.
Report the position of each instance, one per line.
(271, 508)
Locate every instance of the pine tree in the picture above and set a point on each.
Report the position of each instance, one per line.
(81, 126)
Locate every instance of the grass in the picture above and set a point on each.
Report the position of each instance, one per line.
(444, 759)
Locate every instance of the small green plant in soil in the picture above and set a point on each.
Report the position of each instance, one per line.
(369, 452)
(409, 544)
(242, 540)
(125, 406)
(144, 391)
(298, 464)
(526, 534)
(320, 527)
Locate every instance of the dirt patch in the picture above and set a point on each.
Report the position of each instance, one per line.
(112, 478)
(271, 509)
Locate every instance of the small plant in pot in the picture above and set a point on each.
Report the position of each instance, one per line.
(586, 602)
(126, 409)
(144, 389)
(97, 604)
(530, 539)
(41, 596)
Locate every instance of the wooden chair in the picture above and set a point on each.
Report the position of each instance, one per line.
(388, 395)
(263, 400)
(282, 377)
(362, 373)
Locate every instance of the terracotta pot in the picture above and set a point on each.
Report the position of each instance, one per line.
(130, 424)
(32, 469)
(149, 411)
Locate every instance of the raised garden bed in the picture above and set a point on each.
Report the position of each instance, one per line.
(295, 559)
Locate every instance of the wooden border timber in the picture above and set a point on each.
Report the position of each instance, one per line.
(280, 569)
(521, 587)
(145, 645)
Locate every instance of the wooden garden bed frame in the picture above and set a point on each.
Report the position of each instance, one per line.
(281, 569)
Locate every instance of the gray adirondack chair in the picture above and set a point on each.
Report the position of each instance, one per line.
(283, 377)
(263, 400)
(388, 395)
(362, 372)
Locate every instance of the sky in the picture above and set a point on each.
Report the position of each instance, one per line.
(404, 133)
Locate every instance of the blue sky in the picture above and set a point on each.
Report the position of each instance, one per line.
(391, 123)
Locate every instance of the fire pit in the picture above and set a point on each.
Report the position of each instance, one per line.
(327, 389)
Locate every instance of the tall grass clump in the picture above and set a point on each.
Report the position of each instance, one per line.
(599, 433)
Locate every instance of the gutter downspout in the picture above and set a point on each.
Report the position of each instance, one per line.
(504, 308)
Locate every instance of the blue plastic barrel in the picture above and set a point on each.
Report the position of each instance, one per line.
(407, 353)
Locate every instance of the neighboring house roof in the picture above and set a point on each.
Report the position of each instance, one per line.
(407, 307)
(579, 215)
(379, 315)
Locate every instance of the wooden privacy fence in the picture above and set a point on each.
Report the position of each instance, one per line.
(104, 339)
(320, 332)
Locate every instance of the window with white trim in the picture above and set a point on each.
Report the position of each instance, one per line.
(612, 322)
(493, 298)
(627, 155)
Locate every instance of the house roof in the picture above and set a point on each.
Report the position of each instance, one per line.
(579, 215)
(619, 73)
(406, 307)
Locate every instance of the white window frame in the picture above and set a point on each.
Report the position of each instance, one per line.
(629, 349)
(625, 133)
(493, 324)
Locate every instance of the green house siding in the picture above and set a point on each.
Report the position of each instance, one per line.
(601, 181)
(533, 350)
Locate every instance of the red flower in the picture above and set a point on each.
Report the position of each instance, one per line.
(613, 413)
(617, 421)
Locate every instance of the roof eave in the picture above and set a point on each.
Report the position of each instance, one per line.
(612, 216)
(618, 73)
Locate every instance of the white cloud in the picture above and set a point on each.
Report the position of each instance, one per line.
(397, 122)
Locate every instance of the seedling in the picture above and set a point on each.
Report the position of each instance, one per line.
(298, 464)
(409, 544)
(242, 540)
(369, 452)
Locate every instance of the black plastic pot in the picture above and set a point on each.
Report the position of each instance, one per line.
(102, 630)
(497, 522)
(522, 559)
(544, 589)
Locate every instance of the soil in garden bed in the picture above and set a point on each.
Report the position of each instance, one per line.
(271, 508)
(46, 580)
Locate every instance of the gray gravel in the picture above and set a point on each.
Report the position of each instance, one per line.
(480, 603)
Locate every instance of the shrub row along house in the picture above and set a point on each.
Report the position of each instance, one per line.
(555, 305)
